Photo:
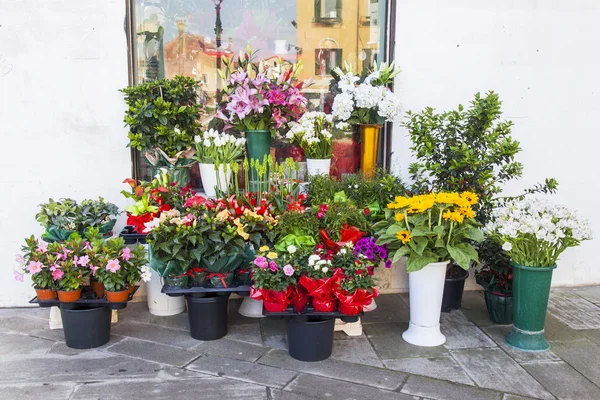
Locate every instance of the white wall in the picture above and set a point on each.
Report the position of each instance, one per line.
(61, 63)
(543, 58)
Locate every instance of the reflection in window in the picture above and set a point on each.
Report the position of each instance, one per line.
(328, 11)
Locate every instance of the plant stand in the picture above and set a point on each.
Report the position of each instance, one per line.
(426, 288)
(349, 328)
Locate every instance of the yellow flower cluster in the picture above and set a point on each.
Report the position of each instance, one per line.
(462, 202)
(403, 236)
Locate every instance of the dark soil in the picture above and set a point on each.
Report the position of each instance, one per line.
(454, 271)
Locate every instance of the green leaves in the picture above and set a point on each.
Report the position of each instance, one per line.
(416, 263)
(463, 254)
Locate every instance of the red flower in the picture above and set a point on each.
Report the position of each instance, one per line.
(359, 272)
(130, 181)
(195, 201)
(366, 211)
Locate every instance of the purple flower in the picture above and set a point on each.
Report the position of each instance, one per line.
(288, 270)
(276, 96)
(388, 263)
(260, 80)
(237, 78)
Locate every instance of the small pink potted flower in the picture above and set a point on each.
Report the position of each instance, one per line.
(36, 262)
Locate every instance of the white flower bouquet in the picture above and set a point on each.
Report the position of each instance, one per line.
(534, 232)
(366, 101)
(313, 134)
(214, 147)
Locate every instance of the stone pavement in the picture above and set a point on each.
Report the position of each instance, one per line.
(155, 358)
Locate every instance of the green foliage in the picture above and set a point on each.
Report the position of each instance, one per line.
(298, 228)
(321, 189)
(265, 277)
(339, 215)
(355, 273)
(130, 263)
(163, 114)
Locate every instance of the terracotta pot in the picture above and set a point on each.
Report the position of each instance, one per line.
(117, 297)
(98, 288)
(70, 296)
(130, 290)
(45, 294)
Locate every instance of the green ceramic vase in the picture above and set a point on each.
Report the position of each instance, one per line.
(531, 289)
(258, 145)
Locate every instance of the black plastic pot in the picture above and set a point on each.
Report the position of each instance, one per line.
(86, 327)
(310, 339)
(453, 292)
(500, 308)
(208, 316)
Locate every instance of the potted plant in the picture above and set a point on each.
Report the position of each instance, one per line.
(118, 267)
(467, 149)
(366, 101)
(275, 275)
(69, 267)
(430, 230)
(62, 218)
(258, 99)
(215, 152)
(495, 276)
(36, 261)
(163, 118)
(534, 233)
(313, 134)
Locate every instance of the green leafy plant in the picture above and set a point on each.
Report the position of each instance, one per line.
(162, 117)
(36, 261)
(296, 228)
(431, 228)
(277, 271)
(116, 265)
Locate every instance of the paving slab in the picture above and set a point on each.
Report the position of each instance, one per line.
(445, 368)
(330, 368)
(515, 397)
(473, 306)
(273, 326)
(590, 293)
(557, 330)
(90, 366)
(137, 312)
(356, 350)
(583, 355)
(234, 317)
(574, 310)
(154, 333)
(243, 370)
(276, 394)
(249, 333)
(390, 308)
(179, 321)
(388, 343)
(461, 333)
(151, 351)
(276, 342)
(324, 388)
(61, 348)
(494, 369)
(231, 349)
(38, 391)
(22, 324)
(593, 335)
(202, 387)
(436, 389)
(19, 345)
(564, 381)
(499, 332)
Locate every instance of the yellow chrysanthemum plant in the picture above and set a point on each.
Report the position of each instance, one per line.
(431, 228)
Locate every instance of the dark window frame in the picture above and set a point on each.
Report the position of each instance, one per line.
(326, 20)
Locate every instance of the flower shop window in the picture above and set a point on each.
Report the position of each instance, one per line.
(189, 37)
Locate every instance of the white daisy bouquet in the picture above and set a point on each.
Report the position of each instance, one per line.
(534, 232)
(213, 147)
(366, 100)
(313, 133)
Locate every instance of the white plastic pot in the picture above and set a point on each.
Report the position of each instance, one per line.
(159, 303)
(318, 167)
(426, 289)
(251, 308)
(209, 178)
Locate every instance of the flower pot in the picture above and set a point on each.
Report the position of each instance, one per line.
(251, 308)
(45, 294)
(177, 281)
(318, 166)
(531, 288)
(160, 304)
(426, 288)
(86, 327)
(453, 291)
(212, 180)
(324, 305)
(369, 145)
(258, 145)
(208, 316)
(345, 153)
(242, 276)
(222, 280)
(310, 339)
(500, 308)
(98, 289)
(70, 296)
(117, 297)
(130, 290)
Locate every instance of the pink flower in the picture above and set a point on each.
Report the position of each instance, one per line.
(19, 259)
(54, 267)
(113, 265)
(276, 96)
(94, 269)
(261, 262)
(278, 118)
(260, 80)
(34, 267)
(83, 261)
(87, 246)
(57, 274)
(75, 260)
(288, 270)
(42, 247)
(18, 276)
(273, 267)
(126, 254)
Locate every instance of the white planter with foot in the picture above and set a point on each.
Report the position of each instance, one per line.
(426, 289)
(159, 303)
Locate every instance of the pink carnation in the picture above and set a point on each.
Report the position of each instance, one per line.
(273, 267)
(261, 262)
(288, 270)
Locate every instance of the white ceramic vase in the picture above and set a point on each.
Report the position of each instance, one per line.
(426, 289)
(209, 178)
(318, 166)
